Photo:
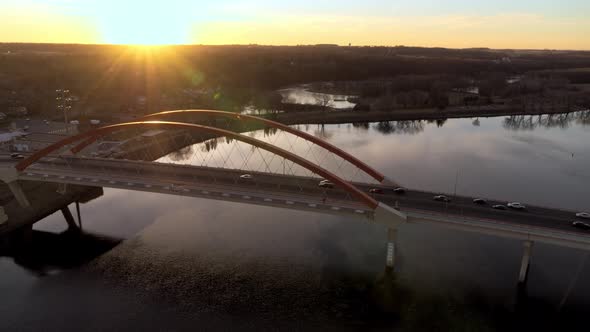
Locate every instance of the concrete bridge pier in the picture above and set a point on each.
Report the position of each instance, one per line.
(72, 226)
(391, 250)
(62, 188)
(384, 291)
(3, 216)
(393, 219)
(10, 177)
(19, 194)
(525, 262)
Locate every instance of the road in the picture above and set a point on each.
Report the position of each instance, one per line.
(296, 191)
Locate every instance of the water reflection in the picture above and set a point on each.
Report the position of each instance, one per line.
(210, 145)
(303, 96)
(361, 125)
(44, 252)
(182, 154)
(412, 127)
(531, 122)
(322, 133)
(369, 137)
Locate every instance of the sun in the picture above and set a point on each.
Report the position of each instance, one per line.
(145, 34)
(145, 23)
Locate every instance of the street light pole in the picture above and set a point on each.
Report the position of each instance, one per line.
(64, 102)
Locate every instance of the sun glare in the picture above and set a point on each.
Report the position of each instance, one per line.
(145, 23)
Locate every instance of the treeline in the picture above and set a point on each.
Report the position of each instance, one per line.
(109, 79)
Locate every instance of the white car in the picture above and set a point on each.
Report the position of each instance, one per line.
(17, 156)
(516, 206)
(583, 215)
(176, 188)
(326, 184)
(442, 198)
(399, 190)
(246, 177)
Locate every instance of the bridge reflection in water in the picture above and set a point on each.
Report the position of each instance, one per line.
(42, 252)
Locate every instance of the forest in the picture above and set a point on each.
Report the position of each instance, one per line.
(108, 79)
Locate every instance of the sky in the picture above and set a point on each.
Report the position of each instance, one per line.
(524, 24)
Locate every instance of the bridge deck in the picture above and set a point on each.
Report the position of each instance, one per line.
(302, 193)
(44, 202)
(263, 189)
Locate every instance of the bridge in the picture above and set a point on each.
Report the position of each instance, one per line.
(283, 179)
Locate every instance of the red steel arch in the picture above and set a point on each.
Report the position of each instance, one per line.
(355, 192)
(337, 151)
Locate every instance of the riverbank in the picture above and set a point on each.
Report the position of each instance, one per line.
(336, 117)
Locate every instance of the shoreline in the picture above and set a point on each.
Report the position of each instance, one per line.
(350, 116)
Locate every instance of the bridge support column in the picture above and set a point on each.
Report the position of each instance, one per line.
(69, 218)
(62, 188)
(79, 215)
(391, 249)
(525, 262)
(3, 216)
(10, 177)
(392, 218)
(19, 194)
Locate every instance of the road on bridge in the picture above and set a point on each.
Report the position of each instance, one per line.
(288, 188)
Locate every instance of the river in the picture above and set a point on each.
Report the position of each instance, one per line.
(189, 264)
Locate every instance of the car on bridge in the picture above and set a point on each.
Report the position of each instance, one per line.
(499, 207)
(376, 191)
(583, 215)
(178, 188)
(441, 198)
(246, 177)
(581, 225)
(326, 184)
(516, 206)
(480, 201)
(399, 190)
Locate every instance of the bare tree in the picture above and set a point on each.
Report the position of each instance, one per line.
(324, 100)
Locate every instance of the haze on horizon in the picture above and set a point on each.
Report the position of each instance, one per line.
(525, 24)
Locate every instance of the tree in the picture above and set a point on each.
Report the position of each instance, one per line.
(324, 100)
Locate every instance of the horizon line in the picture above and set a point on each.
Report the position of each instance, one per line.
(301, 45)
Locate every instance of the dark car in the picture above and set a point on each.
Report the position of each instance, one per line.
(499, 207)
(441, 198)
(480, 201)
(581, 225)
(399, 190)
(376, 191)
